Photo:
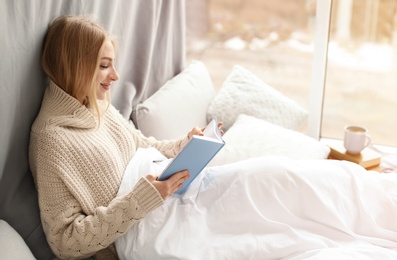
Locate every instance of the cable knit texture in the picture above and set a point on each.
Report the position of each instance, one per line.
(78, 167)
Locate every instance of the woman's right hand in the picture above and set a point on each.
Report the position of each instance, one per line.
(169, 186)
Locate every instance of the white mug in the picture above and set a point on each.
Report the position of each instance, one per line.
(356, 139)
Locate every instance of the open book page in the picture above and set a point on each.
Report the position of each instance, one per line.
(196, 154)
(212, 130)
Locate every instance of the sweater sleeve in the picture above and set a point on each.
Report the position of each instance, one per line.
(75, 229)
(169, 148)
(73, 234)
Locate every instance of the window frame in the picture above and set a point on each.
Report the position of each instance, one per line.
(319, 73)
(317, 89)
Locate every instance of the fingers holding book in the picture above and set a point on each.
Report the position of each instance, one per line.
(220, 124)
(169, 186)
(195, 131)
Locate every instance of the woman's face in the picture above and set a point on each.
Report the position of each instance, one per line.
(107, 72)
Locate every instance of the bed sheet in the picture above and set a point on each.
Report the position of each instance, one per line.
(268, 208)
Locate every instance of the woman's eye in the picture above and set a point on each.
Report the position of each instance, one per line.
(103, 67)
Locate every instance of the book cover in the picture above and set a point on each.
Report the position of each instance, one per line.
(196, 154)
(368, 158)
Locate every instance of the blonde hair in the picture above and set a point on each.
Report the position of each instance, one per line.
(71, 56)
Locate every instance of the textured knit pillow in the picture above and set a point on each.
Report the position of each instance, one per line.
(252, 137)
(178, 106)
(244, 93)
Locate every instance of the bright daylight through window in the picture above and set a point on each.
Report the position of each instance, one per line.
(274, 39)
(361, 84)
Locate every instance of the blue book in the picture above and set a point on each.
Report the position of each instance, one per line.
(196, 154)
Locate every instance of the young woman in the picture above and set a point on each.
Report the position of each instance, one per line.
(80, 146)
(262, 208)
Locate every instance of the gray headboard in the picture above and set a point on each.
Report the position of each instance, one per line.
(151, 51)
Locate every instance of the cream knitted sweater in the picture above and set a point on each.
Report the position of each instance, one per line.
(78, 167)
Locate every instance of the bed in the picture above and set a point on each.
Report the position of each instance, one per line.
(269, 207)
(271, 193)
(311, 207)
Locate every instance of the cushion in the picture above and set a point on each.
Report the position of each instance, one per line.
(12, 246)
(178, 106)
(252, 137)
(242, 92)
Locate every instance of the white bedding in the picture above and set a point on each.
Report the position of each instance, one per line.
(268, 208)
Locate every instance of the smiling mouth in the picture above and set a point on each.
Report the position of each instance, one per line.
(106, 86)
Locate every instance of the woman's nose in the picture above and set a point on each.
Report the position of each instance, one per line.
(114, 75)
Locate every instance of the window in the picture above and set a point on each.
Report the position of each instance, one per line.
(273, 39)
(361, 75)
(340, 66)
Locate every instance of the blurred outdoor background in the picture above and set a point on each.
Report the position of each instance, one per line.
(274, 39)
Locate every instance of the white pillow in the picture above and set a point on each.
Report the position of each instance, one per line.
(178, 106)
(12, 245)
(252, 137)
(244, 93)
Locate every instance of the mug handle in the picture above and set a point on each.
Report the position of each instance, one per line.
(367, 140)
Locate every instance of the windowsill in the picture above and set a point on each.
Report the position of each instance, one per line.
(381, 148)
(389, 154)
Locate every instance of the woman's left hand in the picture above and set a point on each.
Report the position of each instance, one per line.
(220, 124)
(195, 131)
(200, 131)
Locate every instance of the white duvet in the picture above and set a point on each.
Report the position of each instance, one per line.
(268, 208)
